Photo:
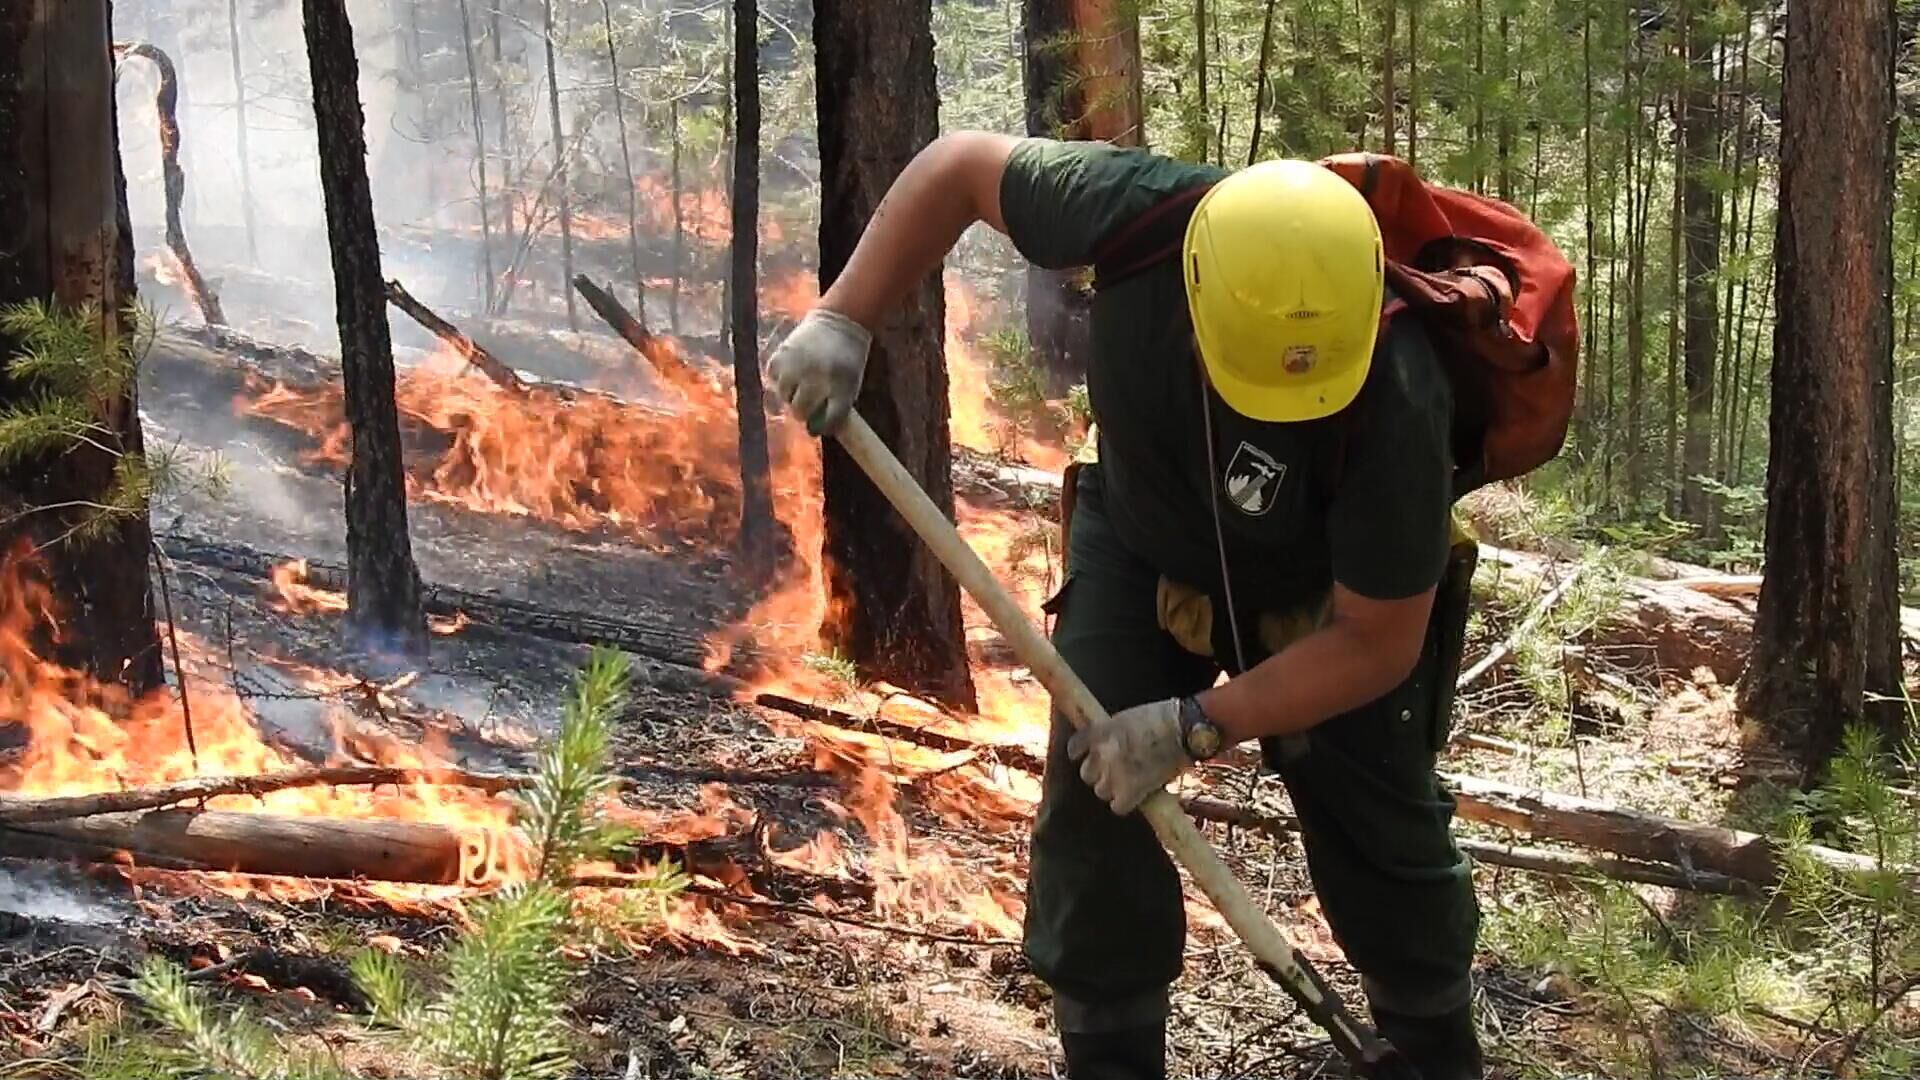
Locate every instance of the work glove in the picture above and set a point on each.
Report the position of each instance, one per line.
(817, 370)
(1131, 754)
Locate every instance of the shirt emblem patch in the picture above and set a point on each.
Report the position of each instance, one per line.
(1253, 480)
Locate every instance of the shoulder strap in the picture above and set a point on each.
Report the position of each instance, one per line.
(1132, 249)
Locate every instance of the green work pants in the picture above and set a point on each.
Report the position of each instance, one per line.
(1105, 924)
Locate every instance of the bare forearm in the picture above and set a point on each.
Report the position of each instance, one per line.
(1329, 672)
(947, 187)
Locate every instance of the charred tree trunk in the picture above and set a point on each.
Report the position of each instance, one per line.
(1081, 68)
(563, 198)
(1700, 210)
(240, 128)
(626, 161)
(479, 158)
(383, 587)
(756, 471)
(174, 179)
(1826, 632)
(878, 104)
(61, 198)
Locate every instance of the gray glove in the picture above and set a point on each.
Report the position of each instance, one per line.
(1132, 754)
(817, 370)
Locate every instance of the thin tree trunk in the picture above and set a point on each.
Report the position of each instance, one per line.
(240, 128)
(1613, 341)
(626, 161)
(1752, 368)
(1592, 282)
(1389, 30)
(563, 197)
(1700, 211)
(679, 220)
(174, 179)
(1260, 83)
(1728, 331)
(383, 587)
(1477, 131)
(756, 483)
(1826, 633)
(1503, 148)
(1669, 476)
(898, 611)
(1200, 54)
(1413, 82)
(61, 192)
(479, 158)
(1637, 168)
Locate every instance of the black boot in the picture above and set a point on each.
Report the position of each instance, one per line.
(1133, 1054)
(1443, 1047)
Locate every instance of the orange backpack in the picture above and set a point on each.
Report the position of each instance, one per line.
(1490, 288)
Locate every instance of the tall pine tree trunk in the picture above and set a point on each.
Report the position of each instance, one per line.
(1826, 634)
(479, 158)
(383, 587)
(1503, 137)
(1081, 70)
(1591, 285)
(1260, 82)
(1669, 475)
(61, 193)
(898, 610)
(1413, 82)
(240, 128)
(756, 482)
(679, 219)
(1636, 263)
(1477, 129)
(1701, 212)
(626, 162)
(562, 195)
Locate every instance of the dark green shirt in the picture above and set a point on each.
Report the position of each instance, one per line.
(1361, 497)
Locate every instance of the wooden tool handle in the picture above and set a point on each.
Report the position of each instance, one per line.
(1175, 829)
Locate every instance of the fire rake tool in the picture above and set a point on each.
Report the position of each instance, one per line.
(1369, 1054)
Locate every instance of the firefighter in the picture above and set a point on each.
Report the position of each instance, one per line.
(1270, 497)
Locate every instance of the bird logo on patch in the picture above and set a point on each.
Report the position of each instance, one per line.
(1253, 479)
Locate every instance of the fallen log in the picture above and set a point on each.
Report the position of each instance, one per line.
(503, 375)
(377, 850)
(166, 98)
(1538, 860)
(20, 809)
(988, 481)
(1693, 846)
(1013, 756)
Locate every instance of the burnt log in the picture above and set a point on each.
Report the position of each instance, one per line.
(1011, 756)
(261, 844)
(502, 375)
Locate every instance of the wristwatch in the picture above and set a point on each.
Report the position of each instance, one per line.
(1200, 736)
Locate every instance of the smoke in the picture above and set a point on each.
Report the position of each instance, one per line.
(42, 893)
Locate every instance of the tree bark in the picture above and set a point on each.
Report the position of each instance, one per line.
(479, 158)
(1260, 83)
(1826, 633)
(383, 586)
(1700, 209)
(240, 128)
(1081, 69)
(898, 610)
(561, 193)
(756, 470)
(61, 193)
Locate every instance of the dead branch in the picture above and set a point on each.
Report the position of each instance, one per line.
(1539, 611)
(657, 351)
(19, 809)
(1538, 860)
(1635, 834)
(503, 375)
(1012, 756)
(166, 97)
(809, 912)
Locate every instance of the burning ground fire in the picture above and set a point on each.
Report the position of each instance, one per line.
(662, 476)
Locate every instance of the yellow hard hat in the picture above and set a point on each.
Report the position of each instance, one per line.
(1285, 273)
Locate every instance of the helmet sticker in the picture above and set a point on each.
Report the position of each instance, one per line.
(1253, 479)
(1299, 359)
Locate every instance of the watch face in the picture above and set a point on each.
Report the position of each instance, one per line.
(1203, 741)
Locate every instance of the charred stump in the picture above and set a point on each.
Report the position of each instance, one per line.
(898, 610)
(166, 98)
(383, 586)
(61, 226)
(756, 470)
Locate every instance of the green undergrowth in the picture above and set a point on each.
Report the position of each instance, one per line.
(1817, 977)
(494, 1005)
